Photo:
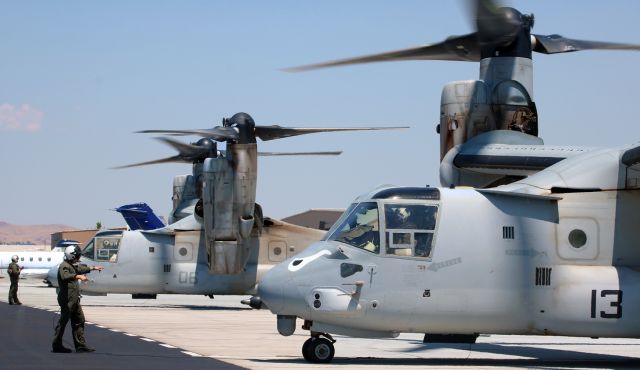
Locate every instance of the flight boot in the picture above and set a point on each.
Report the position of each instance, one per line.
(85, 349)
(60, 349)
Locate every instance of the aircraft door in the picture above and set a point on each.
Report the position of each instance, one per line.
(393, 284)
(181, 267)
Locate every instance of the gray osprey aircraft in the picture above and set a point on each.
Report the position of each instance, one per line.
(489, 127)
(217, 240)
(553, 254)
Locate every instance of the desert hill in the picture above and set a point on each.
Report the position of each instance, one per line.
(29, 234)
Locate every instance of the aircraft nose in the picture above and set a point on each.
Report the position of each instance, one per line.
(272, 286)
(284, 287)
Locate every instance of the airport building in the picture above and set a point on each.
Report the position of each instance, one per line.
(82, 236)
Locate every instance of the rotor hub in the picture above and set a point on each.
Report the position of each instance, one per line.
(244, 124)
(209, 145)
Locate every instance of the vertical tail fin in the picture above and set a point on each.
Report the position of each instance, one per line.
(139, 216)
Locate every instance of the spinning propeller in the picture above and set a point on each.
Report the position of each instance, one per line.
(242, 129)
(496, 30)
(239, 129)
(187, 153)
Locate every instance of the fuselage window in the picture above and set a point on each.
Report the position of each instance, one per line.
(359, 227)
(409, 229)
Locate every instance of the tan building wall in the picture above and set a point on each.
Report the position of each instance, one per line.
(321, 219)
(82, 236)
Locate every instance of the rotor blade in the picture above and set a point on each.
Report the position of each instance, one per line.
(185, 149)
(216, 133)
(174, 159)
(553, 44)
(273, 154)
(457, 48)
(277, 132)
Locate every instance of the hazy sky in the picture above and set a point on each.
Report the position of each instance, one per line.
(78, 77)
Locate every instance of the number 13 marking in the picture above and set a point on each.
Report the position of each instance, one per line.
(617, 304)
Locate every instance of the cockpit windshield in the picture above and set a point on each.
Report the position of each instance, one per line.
(359, 227)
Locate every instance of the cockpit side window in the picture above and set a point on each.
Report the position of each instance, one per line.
(360, 228)
(107, 247)
(89, 250)
(409, 229)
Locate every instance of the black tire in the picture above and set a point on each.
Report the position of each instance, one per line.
(305, 349)
(320, 351)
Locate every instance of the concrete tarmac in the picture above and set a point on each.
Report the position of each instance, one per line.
(225, 330)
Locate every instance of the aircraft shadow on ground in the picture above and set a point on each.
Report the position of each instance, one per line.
(545, 357)
(173, 306)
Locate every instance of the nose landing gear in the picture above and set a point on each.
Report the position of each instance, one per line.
(317, 349)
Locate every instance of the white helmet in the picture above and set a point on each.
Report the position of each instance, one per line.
(403, 214)
(14, 258)
(72, 252)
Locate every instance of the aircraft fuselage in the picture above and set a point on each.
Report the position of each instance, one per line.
(494, 264)
(141, 262)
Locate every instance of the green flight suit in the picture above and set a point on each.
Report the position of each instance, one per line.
(69, 301)
(14, 276)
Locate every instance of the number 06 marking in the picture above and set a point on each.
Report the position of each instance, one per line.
(617, 304)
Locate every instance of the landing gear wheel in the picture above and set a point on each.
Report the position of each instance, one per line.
(305, 349)
(318, 350)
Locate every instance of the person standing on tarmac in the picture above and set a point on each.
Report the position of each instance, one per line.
(14, 276)
(70, 273)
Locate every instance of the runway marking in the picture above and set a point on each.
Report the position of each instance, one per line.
(167, 345)
(147, 339)
(100, 326)
(191, 354)
(131, 335)
(116, 330)
(88, 322)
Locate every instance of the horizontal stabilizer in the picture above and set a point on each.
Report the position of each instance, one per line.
(511, 153)
(518, 194)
